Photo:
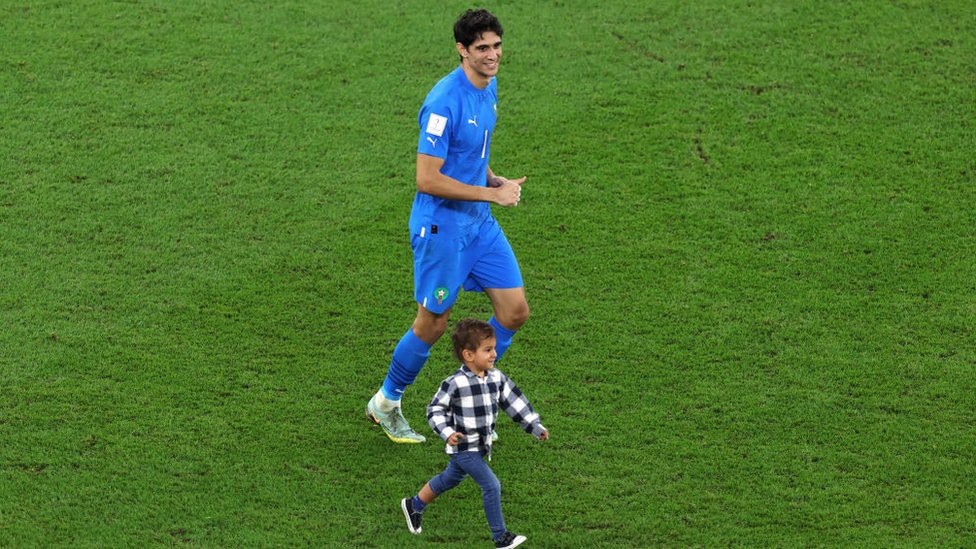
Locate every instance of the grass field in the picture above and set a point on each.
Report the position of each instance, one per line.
(748, 238)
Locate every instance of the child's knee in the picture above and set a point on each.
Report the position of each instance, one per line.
(444, 482)
(492, 486)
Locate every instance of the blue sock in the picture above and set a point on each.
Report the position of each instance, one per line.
(418, 505)
(409, 358)
(503, 337)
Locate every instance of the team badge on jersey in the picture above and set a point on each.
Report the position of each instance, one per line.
(436, 124)
(441, 294)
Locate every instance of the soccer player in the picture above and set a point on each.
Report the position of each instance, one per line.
(463, 413)
(456, 241)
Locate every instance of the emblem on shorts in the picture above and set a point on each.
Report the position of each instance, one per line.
(441, 294)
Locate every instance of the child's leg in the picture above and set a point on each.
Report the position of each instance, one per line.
(449, 478)
(427, 494)
(423, 498)
(491, 490)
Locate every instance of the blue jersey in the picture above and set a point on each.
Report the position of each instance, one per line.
(456, 123)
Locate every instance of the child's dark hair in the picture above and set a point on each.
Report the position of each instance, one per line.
(471, 24)
(468, 334)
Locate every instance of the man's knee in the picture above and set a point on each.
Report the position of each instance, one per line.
(514, 317)
(430, 326)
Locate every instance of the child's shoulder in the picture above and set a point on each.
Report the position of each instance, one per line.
(455, 375)
(498, 374)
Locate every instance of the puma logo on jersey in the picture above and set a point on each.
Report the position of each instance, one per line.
(433, 142)
(473, 121)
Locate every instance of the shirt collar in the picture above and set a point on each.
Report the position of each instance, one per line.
(467, 371)
(466, 84)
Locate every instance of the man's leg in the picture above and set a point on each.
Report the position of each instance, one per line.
(511, 312)
(496, 272)
(409, 358)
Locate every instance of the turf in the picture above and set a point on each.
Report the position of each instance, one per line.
(747, 239)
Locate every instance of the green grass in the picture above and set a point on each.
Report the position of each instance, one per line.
(747, 237)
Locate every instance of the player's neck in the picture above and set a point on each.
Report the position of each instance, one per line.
(477, 79)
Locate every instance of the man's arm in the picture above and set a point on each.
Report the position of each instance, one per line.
(497, 181)
(431, 181)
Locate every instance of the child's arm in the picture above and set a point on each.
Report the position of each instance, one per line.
(514, 403)
(439, 415)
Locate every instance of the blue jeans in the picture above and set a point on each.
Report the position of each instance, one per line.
(473, 463)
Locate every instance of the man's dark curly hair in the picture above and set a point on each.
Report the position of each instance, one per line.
(472, 24)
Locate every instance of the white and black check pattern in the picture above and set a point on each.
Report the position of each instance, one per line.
(469, 404)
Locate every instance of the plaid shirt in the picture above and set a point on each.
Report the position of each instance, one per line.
(469, 404)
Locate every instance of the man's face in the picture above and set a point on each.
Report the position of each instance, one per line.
(484, 54)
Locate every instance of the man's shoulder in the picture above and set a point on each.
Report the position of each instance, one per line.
(446, 90)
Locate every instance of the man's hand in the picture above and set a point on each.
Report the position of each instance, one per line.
(508, 192)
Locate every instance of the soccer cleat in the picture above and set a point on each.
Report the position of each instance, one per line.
(494, 436)
(413, 518)
(394, 425)
(509, 540)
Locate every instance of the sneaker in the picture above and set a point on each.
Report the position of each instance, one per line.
(509, 540)
(413, 518)
(394, 424)
(494, 436)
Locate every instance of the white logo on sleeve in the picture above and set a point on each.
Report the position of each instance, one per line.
(436, 124)
(433, 142)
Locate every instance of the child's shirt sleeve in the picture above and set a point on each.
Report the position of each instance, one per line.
(439, 415)
(517, 406)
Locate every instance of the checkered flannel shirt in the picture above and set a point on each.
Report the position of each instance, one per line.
(469, 404)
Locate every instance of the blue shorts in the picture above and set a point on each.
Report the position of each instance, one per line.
(444, 263)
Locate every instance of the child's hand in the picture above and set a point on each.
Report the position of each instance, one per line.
(544, 435)
(455, 438)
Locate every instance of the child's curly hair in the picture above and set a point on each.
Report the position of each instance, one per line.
(468, 334)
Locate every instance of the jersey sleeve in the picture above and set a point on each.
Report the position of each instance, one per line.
(436, 125)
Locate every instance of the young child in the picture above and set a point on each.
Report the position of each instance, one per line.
(463, 413)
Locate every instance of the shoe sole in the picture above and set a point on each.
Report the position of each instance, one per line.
(398, 440)
(519, 540)
(406, 514)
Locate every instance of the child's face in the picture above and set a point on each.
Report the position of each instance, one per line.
(481, 359)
